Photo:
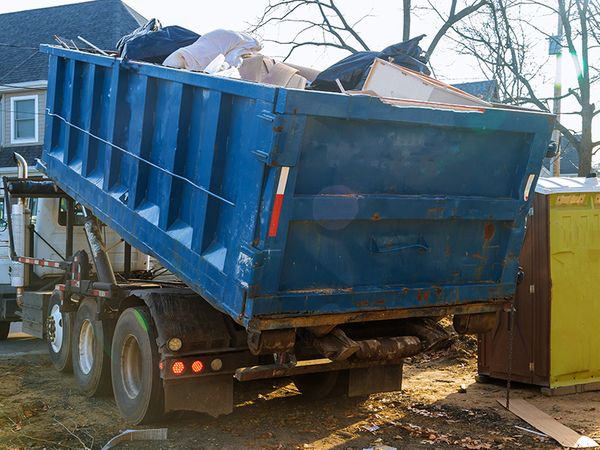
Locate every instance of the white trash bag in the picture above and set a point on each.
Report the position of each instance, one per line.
(232, 45)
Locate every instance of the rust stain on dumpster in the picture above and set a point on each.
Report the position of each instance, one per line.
(489, 231)
(423, 295)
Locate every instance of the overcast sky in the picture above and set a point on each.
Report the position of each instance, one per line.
(382, 28)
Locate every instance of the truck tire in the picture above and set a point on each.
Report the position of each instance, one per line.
(136, 381)
(59, 326)
(317, 385)
(4, 329)
(90, 349)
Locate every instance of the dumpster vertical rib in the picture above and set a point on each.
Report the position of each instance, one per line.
(85, 108)
(140, 189)
(67, 109)
(206, 145)
(50, 103)
(110, 127)
(120, 139)
(136, 133)
(74, 134)
(180, 190)
(91, 159)
(170, 103)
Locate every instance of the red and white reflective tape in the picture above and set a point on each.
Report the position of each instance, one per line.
(38, 262)
(76, 274)
(74, 283)
(274, 225)
(99, 293)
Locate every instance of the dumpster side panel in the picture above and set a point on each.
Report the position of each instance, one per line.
(166, 159)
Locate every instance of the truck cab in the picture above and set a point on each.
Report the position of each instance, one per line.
(47, 236)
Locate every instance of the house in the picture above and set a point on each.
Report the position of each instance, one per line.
(24, 70)
(486, 90)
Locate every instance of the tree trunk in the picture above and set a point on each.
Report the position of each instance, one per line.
(585, 146)
(585, 158)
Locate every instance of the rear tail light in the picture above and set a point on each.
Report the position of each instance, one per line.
(197, 366)
(274, 225)
(178, 368)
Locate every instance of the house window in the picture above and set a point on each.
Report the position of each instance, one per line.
(24, 119)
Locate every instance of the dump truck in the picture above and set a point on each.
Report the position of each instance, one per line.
(311, 235)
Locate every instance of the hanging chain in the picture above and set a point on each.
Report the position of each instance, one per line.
(511, 332)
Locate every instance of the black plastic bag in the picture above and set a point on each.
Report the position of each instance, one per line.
(153, 43)
(352, 71)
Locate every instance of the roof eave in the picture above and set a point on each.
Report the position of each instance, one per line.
(26, 85)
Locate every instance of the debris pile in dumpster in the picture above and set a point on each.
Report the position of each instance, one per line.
(397, 75)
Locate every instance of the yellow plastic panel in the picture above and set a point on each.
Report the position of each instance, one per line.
(575, 272)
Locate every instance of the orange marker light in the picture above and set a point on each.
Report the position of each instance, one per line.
(178, 367)
(161, 365)
(197, 366)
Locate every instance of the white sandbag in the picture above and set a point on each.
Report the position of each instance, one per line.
(233, 45)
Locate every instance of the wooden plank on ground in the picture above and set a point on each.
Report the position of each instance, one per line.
(548, 425)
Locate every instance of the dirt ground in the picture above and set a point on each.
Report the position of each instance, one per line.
(40, 409)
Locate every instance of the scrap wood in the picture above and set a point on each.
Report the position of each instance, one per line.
(417, 103)
(548, 425)
(156, 434)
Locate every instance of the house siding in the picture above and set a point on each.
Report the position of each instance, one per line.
(6, 117)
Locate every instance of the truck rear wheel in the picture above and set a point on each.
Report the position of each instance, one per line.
(59, 326)
(90, 348)
(4, 329)
(135, 368)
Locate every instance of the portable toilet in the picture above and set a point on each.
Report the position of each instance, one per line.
(556, 340)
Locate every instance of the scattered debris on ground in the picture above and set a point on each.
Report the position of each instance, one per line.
(40, 408)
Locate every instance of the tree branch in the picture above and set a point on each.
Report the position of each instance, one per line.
(452, 20)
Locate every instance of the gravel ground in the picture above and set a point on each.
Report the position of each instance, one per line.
(40, 408)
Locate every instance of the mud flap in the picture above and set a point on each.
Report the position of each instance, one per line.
(212, 395)
(374, 379)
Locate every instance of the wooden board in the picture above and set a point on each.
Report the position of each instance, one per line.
(390, 80)
(548, 425)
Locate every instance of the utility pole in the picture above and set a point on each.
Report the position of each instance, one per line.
(556, 49)
(406, 5)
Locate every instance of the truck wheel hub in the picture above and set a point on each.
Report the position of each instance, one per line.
(86, 347)
(55, 328)
(131, 366)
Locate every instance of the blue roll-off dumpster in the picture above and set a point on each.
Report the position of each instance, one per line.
(287, 208)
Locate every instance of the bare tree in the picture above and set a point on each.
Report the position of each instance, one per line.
(336, 30)
(503, 40)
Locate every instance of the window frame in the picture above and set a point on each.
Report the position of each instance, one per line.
(13, 128)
